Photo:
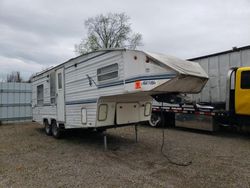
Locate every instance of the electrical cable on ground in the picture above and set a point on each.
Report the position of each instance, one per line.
(163, 142)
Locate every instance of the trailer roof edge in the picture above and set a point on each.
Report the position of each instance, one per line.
(61, 64)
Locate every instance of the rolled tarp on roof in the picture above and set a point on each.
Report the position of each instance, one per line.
(181, 66)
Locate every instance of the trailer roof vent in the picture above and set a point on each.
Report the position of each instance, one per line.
(234, 48)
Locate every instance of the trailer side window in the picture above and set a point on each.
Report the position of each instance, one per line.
(40, 95)
(52, 88)
(245, 80)
(107, 72)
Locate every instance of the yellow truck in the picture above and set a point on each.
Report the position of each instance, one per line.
(241, 92)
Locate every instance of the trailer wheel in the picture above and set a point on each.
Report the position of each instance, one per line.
(155, 120)
(47, 128)
(56, 131)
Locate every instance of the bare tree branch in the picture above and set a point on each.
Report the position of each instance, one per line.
(14, 77)
(108, 31)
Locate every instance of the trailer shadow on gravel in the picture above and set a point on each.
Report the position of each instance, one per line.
(88, 137)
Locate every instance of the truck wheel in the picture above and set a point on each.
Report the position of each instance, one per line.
(47, 128)
(155, 120)
(56, 131)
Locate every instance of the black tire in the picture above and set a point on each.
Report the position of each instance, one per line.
(155, 120)
(47, 128)
(56, 131)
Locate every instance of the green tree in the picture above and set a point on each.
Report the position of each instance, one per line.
(112, 30)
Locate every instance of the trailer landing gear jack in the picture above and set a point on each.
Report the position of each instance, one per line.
(136, 134)
(105, 140)
(105, 137)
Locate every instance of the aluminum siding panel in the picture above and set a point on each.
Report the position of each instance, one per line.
(217, 67)
(15, 102)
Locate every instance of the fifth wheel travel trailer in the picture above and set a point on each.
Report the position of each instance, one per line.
(109, 88)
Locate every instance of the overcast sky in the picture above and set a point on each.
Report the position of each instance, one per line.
(35, 34)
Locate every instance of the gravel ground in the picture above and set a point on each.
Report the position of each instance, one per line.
(29, 158)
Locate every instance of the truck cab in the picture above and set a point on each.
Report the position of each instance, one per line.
(242, 91)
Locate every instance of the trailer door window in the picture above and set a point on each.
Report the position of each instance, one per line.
(245, 80)
(40, 95)
(107, 73)
(59, 76)
(52, 88)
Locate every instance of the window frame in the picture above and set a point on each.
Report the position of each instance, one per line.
(53, 92)
(116, 70)
(243, 82)
(106, 115)
(40, 99)
(86, 119)
(145, 114)
(59, 81)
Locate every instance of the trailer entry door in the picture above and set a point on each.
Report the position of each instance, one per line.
(60, 104)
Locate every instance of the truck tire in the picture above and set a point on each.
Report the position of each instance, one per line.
(47, 128)
(56, 131)
(155, 120)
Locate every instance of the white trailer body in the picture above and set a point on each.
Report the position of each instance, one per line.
(110, 87)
